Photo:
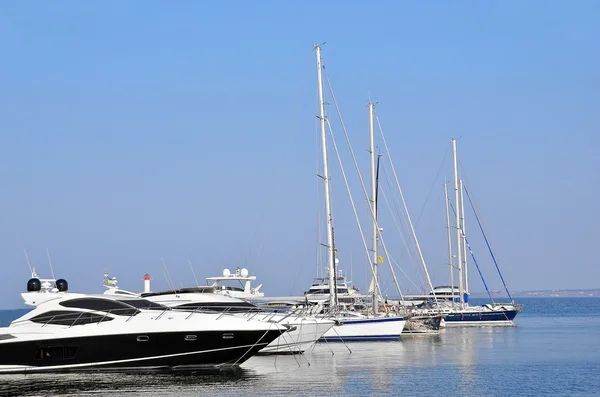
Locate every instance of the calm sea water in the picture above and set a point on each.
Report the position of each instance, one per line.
(553, 350)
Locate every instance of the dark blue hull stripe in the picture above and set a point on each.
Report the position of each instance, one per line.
(507, 315)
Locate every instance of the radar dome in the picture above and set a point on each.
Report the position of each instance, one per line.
(337, 261)
(62, 285)
(226, 273)
(34, 285)
(244, 272)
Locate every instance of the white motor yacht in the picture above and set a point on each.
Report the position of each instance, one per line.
(346, 295)
(304, 329)
(69, 331)
(242, 284)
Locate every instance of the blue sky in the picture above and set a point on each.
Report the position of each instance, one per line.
(135, 130)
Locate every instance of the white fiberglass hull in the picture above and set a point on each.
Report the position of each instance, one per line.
(365, 329)
(303, 332)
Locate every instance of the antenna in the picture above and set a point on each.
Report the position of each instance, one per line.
(50, 262)
(194, 273)
(28, 263)
(169, 280)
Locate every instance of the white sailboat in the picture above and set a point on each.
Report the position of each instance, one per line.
(417, 321)
(350, 326)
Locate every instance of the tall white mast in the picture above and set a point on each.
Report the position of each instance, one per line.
(325, 176)
(458, 231)
(375, 276)
(464, 236)
(449, 238)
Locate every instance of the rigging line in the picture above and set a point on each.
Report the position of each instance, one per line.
(371, 207)
(400, 222)
(466, 181)
(404, 241)
(434, 183)
(405, 206)
(433, 214)
(352, 203)
(400, 225)
(473, 256)
(488, 246)
(475, 208)
(393, 260)
(429, 229)
(479, 270)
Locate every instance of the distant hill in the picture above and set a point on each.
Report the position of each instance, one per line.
(550, 293)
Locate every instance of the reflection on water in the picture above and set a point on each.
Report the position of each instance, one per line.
(158, 383)
(542, 355)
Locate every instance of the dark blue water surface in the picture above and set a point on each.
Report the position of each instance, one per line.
(554, 350)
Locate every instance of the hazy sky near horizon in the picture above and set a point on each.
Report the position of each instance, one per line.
(135, 130)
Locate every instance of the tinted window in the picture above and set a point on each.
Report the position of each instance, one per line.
(103, 305)
(60, 317)
(144, 304)
(231, 307)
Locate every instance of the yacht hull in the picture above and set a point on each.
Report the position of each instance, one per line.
(365, 329)
(140, 350)
(303, 334)
(496, 317)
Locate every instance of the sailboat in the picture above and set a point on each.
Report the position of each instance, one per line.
(455, 301)
(417, 322)
(350, 326)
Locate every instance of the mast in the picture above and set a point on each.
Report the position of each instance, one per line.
(375, 275)
(464, 236)
(449, 239)
(458, 232)
(325, 177)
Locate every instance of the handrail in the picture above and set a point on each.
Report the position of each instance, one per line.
(78, 317)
